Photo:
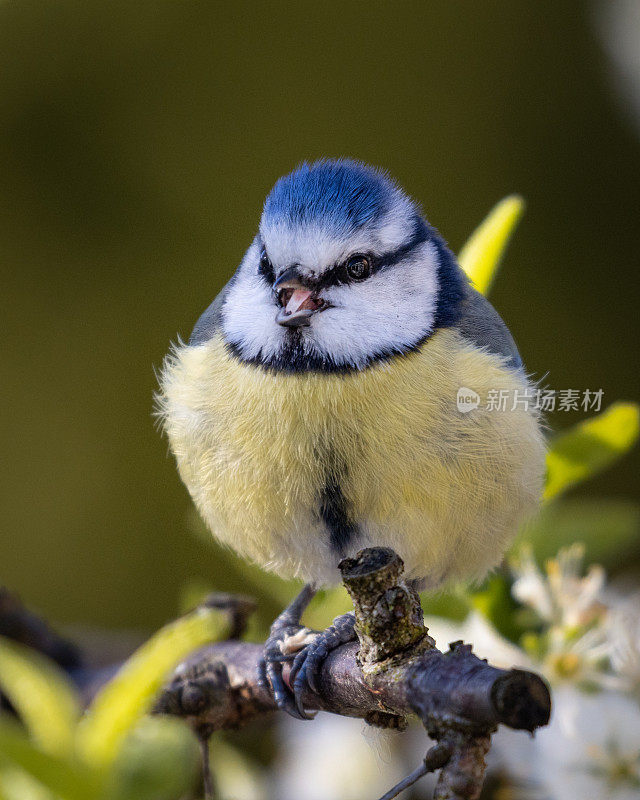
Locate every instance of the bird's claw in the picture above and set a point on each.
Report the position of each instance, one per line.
(271, 666)
(305, 670)
(306, 662)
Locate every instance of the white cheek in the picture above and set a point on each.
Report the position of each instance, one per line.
(249, 316)
(392, 310)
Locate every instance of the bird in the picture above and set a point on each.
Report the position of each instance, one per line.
(314, 410)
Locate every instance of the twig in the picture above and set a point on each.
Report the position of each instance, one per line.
(21, 625)
(204, 739)
(435, 759)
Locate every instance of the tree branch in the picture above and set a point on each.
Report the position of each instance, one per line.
(393, 671)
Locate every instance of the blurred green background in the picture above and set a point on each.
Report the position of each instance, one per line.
(137, 143)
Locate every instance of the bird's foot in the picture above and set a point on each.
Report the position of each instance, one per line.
(284, 642)
(286, 638)
(307, 650)
(305, 670)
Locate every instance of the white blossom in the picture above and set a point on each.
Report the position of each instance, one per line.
(624, 635)
(560, 597)
(591, 750)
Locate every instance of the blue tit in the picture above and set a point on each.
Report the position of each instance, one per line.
(315, 409)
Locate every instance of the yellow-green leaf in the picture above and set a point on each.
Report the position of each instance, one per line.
(129, 695)
(62, 778)
(590, 447)
(160, 762)
(41, 694)
(16, 784)
(482, 254)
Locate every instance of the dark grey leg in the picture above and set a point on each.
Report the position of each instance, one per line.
(284, 626)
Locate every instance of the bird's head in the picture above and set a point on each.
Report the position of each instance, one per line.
(344, 271)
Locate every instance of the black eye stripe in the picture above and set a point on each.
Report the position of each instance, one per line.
(420, 236)
(337, 276)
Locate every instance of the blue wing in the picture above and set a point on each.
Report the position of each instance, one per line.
(481, 324)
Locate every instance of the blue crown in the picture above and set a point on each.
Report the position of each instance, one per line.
(341, 194)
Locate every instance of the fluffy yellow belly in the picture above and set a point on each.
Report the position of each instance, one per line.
(445, 489)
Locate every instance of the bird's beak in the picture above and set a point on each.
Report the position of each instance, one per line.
(298, 302)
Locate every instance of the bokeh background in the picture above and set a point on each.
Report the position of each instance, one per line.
(137, 143)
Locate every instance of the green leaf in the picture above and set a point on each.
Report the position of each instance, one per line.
(41, 694)
(160, 762)
(452, 604)
(16, 784)
(482, 254)
(63, 778)
(609, 530)
(495, 603)
(129, 695)
(589, 447)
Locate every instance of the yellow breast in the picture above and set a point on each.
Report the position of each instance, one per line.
(445, 489)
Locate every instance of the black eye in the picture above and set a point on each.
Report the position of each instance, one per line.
(265, 264)
(358, 268)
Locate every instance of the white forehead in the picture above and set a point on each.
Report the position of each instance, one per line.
(315, 247)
